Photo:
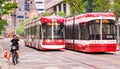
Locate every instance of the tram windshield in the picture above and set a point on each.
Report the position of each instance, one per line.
(53, 30)
(102, 30)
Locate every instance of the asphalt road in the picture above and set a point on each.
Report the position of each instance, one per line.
(35, 59)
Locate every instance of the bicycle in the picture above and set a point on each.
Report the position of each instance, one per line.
(14, 55)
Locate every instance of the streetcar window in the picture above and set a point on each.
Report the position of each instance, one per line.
(107, 30)
(53, 31)
(33, 32)
(69, 32)
(76, 32)
(94, 31)
(29, 31)
(84, 31)
(38, 31)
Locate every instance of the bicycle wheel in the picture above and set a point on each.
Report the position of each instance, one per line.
(14, 58)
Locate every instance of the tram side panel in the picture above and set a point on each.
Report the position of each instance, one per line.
(94, 35)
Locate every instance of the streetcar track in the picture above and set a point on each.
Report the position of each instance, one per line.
(73, 60)
(100, 58)
(79, 62)
(97, 58)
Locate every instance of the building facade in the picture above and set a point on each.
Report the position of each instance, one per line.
(16, 17)
(53, 6)
(34, 8)
(30, 9)
(40, 6)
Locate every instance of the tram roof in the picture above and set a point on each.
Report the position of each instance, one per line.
(52, 19)
(91, 16)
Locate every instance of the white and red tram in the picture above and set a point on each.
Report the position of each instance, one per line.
(91, 32)
(45, 33)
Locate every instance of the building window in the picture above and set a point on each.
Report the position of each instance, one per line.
(40, 9)
(59, 7)
(54, 8)
(64, 7)
(38, 2)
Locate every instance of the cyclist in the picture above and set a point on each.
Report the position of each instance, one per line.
(14, 42)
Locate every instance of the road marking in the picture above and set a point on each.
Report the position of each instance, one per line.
(79, 68)
(51, 67)
(109, 67)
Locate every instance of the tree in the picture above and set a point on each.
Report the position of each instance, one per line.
(89, 5)
(20, 28)
(45, 14)
(5, 8)
(77, 6)
(3, 23)
(80, 6)
(60, 13)
(116, 8)
(102, 6)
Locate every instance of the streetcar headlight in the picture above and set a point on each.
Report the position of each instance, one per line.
(60, 40)
(48, 41)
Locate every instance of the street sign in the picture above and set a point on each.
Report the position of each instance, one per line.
(20, 16)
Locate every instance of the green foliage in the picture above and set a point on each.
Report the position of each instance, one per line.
(3, 23)
(116, 8)
(60, 13)
(10, 6)
(5, 12)
(6, 7)
(77, 6)
(45, 14)
(20, 28)
(102, 6)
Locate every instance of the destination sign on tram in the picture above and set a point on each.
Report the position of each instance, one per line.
(99, 21)
(53, 24)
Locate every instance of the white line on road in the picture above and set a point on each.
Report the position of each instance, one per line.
(79, 68)
(51, 67)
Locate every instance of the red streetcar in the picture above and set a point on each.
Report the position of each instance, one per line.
(45, 33)
(91, 32)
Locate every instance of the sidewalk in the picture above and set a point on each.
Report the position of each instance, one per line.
(3, 61)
